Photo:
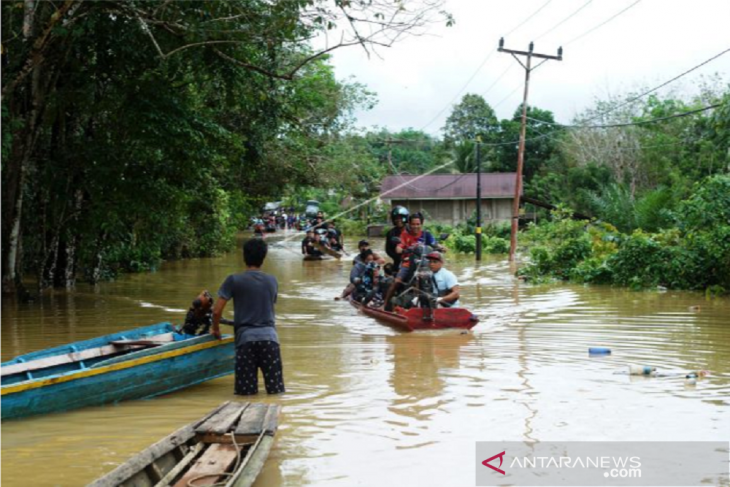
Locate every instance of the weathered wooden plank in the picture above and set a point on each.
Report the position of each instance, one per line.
(254, 462)
(144, 343)
(210, 414)
(271, 420)
(221, 422)
(207, 469)
(70, 357)
(181, 465)
(137, 464)
(252, 419)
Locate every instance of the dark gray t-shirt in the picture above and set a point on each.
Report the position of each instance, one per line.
(254, 294)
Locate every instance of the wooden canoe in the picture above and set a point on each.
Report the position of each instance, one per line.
(326, 250)
(416, 318)
(133, 364)
(312, 257)
(226, 447)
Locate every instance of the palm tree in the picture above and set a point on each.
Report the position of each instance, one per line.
(464, 157)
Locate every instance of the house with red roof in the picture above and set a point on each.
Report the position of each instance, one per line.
(452, 198)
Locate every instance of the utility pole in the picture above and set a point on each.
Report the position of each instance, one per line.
(521, 151)
(479, 199)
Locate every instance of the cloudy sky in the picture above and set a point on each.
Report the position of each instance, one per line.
(420, 78)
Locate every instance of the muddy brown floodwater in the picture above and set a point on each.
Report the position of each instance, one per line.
(369, 405)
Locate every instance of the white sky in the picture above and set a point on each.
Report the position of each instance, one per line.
(650, 43)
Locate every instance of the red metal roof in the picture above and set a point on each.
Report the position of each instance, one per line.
(448, 186)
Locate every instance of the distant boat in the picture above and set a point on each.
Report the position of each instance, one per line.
(329, 251)
(228, 446)
(133, 364)
(421, 318)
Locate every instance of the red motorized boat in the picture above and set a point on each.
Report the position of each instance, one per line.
(417, 318)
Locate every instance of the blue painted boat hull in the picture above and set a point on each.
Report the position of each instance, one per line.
(138, 375)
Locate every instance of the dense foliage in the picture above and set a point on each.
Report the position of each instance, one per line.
(694, 253)
(141, 131)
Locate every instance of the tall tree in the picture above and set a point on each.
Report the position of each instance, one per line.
(472, 117)
(126, 118)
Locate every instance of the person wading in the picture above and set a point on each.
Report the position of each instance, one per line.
(257, 344)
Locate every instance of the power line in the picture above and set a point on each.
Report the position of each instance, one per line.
(601, 24)
(458, 93)
(497, 80)
(643, 122)
(637, 97)
(528, 18)
(471, 78)
(631, 100)
(564, 20)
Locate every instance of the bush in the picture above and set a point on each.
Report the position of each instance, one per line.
(352, 228)
(695, 255)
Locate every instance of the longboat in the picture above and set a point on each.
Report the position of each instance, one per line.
(421, 318)
(228, 446)
(327, 250)
(133, 364)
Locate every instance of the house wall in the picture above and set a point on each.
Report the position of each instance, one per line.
(453, 212)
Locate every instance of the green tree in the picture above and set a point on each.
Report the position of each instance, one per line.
(472, 117)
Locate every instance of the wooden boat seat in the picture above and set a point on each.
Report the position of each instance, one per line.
(140, 343)
(246, 421)
(72, 356)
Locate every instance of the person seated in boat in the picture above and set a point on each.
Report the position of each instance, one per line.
(385, 280)
(318, 221)
(320, 236)
(258, 226)
(337, 241)
(365, 264)
(399, 217)
(308, 245)
(412, 238)
(200, 316)
(364, 277)
(365, 245)
(333, 240)
(445, 283)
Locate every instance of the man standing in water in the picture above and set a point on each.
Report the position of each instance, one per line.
(257, 344)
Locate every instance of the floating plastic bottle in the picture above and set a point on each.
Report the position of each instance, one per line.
(599, 351)
(641, 370)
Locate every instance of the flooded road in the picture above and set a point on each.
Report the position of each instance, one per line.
(369, 405)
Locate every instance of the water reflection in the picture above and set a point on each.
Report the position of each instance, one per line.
(419, 363)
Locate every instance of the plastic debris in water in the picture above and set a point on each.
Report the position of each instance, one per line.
(641, 370)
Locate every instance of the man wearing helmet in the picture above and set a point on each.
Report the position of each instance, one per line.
(399, 217)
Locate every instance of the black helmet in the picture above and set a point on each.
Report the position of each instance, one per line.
(399, 213)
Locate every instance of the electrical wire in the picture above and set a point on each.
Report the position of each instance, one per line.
(564, 20)
(601, 24)
(483, 63)
(631, 100)
(528, 18)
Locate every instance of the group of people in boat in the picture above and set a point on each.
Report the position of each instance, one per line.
(270, 221)
(416, 277)
(320, 236)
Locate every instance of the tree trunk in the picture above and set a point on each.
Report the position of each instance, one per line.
(72, 242)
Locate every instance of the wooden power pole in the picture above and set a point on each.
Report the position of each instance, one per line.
(521, 151)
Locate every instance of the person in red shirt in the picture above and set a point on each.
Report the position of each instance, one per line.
(412, 236)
